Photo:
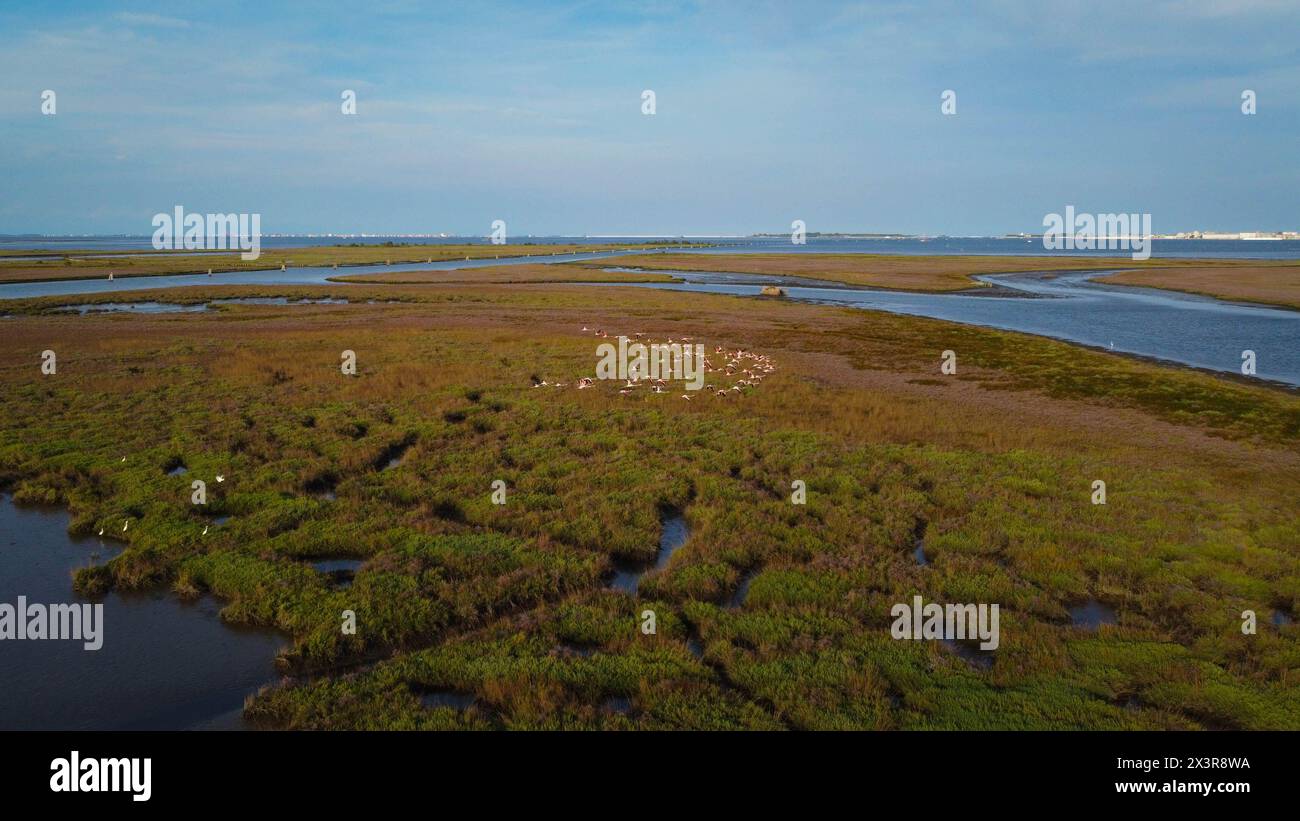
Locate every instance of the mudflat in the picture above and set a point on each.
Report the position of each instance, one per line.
(1271, 282)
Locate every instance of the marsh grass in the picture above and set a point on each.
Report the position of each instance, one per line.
(80, 264)
(460, 595)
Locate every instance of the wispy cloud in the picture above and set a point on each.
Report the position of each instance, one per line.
(154, 20)
(765, 109)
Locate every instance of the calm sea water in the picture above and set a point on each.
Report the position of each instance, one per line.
(164, 664)
(1225, 249)
(58, 245)
(1077, 307)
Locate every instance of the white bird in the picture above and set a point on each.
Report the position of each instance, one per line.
(205, 530)
(101, 531)
(220, 478)
(123, 458)
(125, 525)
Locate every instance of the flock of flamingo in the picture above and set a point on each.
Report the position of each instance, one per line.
(745, 369)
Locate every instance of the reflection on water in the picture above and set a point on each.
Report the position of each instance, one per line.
(737, 598)
(627, 575)
(393, 456)
(573, 648)
(332, 565)
(970, 653)
(133, 307)
(164, 664)
(1185, 328)
(177, 308)
(277, 300)
(318, 275)
(1092, 614)
(617, 705)
(447, 698)
(695, 647)
(673, 536)
(341, 572)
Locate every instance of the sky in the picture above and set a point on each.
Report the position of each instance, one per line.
(765, 112)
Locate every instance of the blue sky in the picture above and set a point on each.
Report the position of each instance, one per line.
(766, 112)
